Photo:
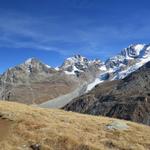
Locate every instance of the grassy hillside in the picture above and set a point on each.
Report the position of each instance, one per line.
(24, 127)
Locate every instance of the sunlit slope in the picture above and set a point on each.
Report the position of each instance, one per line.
(25, 127)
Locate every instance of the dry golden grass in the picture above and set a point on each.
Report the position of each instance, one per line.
(60, 130)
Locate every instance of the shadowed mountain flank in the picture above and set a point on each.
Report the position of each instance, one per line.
(128, 98)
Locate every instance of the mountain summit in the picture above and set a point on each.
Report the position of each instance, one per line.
(35, 62)
(121, 65)
(136, 52)
(78, 63)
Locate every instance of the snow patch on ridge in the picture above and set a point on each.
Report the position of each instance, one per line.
(47, 66)
(57, 68)
(131, 69)
(75, 69)
(103, 68)
(93, 84)
(28, 61)
(139, 47)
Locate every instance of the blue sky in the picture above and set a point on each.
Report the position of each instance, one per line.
(52, 30)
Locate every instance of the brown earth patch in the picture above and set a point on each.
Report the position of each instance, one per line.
(5, 125)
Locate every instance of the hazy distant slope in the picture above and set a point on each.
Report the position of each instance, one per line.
(47, 129)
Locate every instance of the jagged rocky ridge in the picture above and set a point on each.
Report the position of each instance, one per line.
(34, 82)
(128, 98)
(129, 60)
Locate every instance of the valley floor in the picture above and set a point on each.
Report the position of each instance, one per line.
(24, 127)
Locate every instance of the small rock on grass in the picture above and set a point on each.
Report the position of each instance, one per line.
(117, 125)
(35, 147)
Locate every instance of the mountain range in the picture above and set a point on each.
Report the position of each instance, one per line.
(34, 82)
(118, 87)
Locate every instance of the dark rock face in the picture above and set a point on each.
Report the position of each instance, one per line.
(127, 99)
(35, 147)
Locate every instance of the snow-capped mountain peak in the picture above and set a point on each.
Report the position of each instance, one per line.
(129, 60)
(31, 61)
(28, 61)
(133, 51)
(35, 62)
(78, 63)
(76, 59)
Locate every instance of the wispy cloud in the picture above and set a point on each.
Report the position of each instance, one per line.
(66, 37)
